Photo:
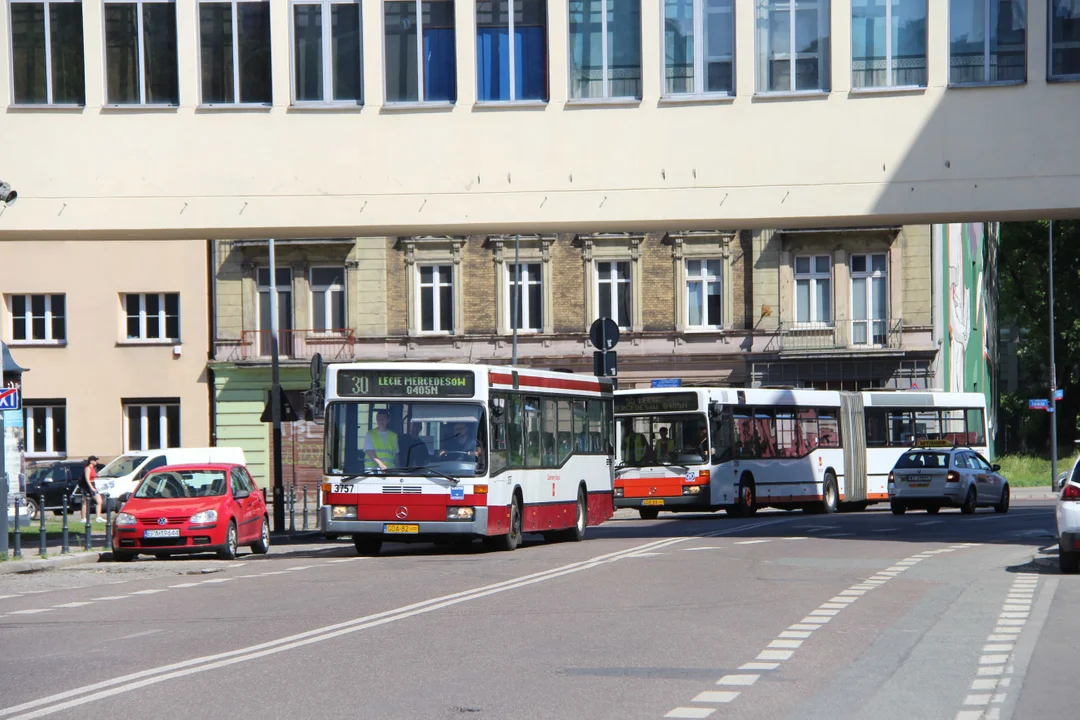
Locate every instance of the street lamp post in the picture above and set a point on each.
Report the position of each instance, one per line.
(1053, 371)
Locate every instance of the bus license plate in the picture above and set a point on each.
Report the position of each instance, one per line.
(173, 532)
(400, 529)
(653, 501)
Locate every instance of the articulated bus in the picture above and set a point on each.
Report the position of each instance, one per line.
(453, 452)
(703, 449)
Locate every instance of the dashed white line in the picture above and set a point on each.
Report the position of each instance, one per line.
(33, 611)
(710, 547)
(751, 542)
(775, 655)
(795, 634)
(759, 666)
(788, 644)
(112, 597)
(73, 604)
(716, 696)
(149, 592)
(689, 712)
(743, 680)
(930, 522)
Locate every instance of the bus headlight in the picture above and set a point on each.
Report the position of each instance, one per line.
(460, 513)
(343, 512)
(691, 489)
(618, 492)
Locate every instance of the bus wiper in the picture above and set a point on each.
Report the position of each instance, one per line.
(425, 468)
(366, 472)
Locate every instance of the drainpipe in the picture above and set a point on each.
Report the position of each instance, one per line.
(212, 339)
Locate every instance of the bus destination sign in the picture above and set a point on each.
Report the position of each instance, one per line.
(391, 383)
(655, 403)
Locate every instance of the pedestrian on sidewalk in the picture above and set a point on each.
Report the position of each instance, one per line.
(89, 488)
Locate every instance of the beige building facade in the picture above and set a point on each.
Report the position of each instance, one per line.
(115, 338)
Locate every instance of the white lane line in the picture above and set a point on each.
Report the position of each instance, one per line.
(184, 585)
(993, 659)
(795, 634)
(815, 619)
(751, 542)
(273, 572)
(852, 593)
(977, 700)
(144, 633)
(775, 655)
(930, 522)
(886, 530)
(345, 560)
(73, 604)
(824, 613)
(759, 666)
(5, 597)
(34, 611)
(984, 684)
(786, 644)
(991, 670)
(644, 554)
(998, 648)
(216, 580)
(860, 587)
(689, 712)
(744, 680)
(797, 537)
(111, 597)
(149, 592)
(708, 547)
(716, 696)
(800, 626)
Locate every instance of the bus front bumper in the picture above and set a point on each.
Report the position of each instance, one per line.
(405, 530)
(680, 502)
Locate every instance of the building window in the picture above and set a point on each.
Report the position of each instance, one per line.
(605, 49)
(699, 47)
(285, 311)
(793, 45)
(436, 298)
(511, 50)
(888, 43)
(1065, 39)
(869, 299)
(140, 53)
(326, 52)
(529, 314)
(424, 71)
(151, 425)
(46, 427)
(704, 293)
(37, 318)
(234, 43)
(47, 64)
(813, 289)
(153, 316)
(614, 292)
(328, 298)
(988, 41)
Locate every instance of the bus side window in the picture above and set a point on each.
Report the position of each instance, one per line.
(532, 432)
(976, 427)
(877, 433)
(515, 431)
(566, 435)
(808, 428)
(581, 427)
(744, 435)
(498, 453)
(722, 438)
(548, 448)
(828, 429)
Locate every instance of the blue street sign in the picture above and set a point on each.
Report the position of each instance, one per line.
(667, 383)
(10, 399)
(1059, 394)
(1038, 404)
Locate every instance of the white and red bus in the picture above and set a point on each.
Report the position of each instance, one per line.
(438, 451)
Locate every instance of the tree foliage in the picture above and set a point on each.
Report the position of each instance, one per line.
(1024, 303)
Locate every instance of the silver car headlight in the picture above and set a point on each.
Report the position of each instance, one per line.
(125, 519)
(204, 517)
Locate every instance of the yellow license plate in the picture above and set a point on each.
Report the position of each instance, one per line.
(392, 528)
(653, 501)
(919, 485)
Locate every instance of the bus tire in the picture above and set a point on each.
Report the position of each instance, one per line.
(581, 520)
(366, 545)
(510, 541)
(830, 495)
(746, 503)
(649, 513)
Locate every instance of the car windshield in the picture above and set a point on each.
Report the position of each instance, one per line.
(931, 460)
(36, 473)
(664, 439)
(406, 438)
(122, 466)
(182, 484)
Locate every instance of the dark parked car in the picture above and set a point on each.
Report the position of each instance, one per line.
(57, 478)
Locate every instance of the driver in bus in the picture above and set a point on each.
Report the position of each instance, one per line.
(381, 446)
(461, 441)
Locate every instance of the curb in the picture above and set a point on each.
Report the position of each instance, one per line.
(1035, 493)
(297, 538)
(50, 563)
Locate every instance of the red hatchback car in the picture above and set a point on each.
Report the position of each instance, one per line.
(192, 509)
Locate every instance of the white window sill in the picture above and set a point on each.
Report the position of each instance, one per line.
(434, 333)
(791, 95)
(1062, 78)
(418, 106)
(32, 107)
(37, 343)
(898, 90)
(137, 342)
(45, 455)
(712, 330)
(694, 99)
(968, 86)
(603, 102)
(135, 107)
(234, 107)
(510, 104)
(326, 106)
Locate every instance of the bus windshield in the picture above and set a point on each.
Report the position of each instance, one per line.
(664, 439)
(406, 438)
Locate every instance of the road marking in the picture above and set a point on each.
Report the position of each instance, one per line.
(112, 597)
(345, 560)
(787, 644)
(716, 696)
(775, 655)
(795, 634)
(998, 648)
(815, 619)
(144, 633)
(751, 542)
(824, 612)
(149, 592)
(216, 580)
(34, 611)
(759, 666)
(798, 537)
(800, 626)
(707, 547)
(930, 522)
(886, 530)
(184, 585)
(835, 605)
(689, 712)
(73, 604)
(644, 554)
(68, 699)
(738, 680)
(5, 597)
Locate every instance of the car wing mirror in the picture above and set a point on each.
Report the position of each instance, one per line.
(241, 495)
(995, 467)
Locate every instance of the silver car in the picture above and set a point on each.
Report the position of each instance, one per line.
(930, 478)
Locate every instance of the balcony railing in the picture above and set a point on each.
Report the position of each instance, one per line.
(839, 334)
(338, 344)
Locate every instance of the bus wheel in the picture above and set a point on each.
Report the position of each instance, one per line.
(576, 533)
(746, 503)
(830, 495)
(366, 545)
(512, 539)
(648, 513)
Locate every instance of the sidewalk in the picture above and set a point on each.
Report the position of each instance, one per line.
(1033, 493)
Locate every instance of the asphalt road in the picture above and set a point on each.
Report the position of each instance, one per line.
(784, 615)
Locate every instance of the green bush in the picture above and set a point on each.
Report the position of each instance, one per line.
(1030, 470)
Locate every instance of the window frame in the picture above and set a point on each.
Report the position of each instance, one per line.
(436, 286)
(701, 58)
(143, 404)
(237, 103)
(824, 55)
(1050, 76)
(889, 53)
(28, 317)
(986, 81)
(705, 278)
(614, 283)
(162, 317)
(30, 426)
(527, 280)
(814, 277)
(512, 59)
(141, 49)
(421, 91)
(327, 301)
(605, 87)
(327, 58)
(869, 274)
(48, 54)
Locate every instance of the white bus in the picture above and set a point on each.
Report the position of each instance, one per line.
(703, 449)
(437, 451)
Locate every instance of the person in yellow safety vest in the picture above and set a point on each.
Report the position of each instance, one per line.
(664, 446)
(382, 443)
(635, 448)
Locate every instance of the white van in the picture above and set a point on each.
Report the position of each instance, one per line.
(119, 478)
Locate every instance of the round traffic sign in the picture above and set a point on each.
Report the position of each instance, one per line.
(604, 333)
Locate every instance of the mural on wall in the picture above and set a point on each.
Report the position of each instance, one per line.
(969, 352)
